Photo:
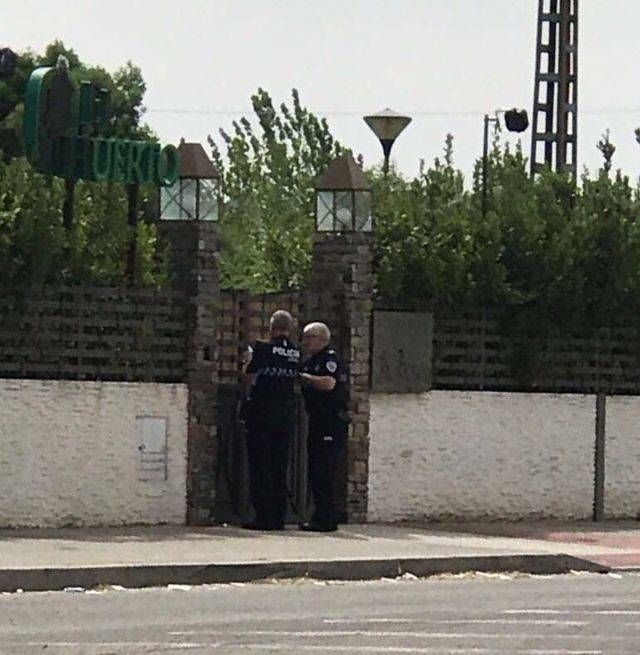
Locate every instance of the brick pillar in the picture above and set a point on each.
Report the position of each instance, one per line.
(340, 295)
(193, 256)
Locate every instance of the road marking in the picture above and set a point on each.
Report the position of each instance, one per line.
(461, 621)
(576, 611)
(381, 634)
(611, 612)
(299, 647)
(377, 620)
(183, 645)
(416, 649)
(536, 611)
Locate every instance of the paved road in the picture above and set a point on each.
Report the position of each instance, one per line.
(580, 614)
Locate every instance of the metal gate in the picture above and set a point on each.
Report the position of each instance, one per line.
(232, 503)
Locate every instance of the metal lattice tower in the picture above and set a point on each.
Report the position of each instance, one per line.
(554, 140)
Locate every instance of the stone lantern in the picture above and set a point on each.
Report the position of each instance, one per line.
(343, 198)
(195, 194)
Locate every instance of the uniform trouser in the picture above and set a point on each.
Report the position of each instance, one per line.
(268, 455)
(323, 448)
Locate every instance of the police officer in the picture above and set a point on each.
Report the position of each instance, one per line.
(268, 412)
(325, 393)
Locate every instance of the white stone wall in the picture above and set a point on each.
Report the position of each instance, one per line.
(466, 455)
(69, 453)
(622, 457)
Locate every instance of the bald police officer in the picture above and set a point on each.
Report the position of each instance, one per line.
(324, 386)
(269, 412)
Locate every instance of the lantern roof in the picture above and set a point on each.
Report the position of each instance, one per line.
(194, 162)
(342, 174)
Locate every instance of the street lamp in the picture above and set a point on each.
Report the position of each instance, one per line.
(194, 195)
(516, 120)
(343, 198)
(387, 126)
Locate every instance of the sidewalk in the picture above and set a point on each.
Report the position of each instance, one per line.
(148, 556)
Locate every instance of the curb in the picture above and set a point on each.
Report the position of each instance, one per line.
(132, 576)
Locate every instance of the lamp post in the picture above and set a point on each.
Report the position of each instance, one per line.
(343, 198)
(516, 120)
(387, 126)
(195, 194)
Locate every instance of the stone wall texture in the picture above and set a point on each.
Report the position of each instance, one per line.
(69, 453)
(622, 457)
(340, 294)
(468, 455)
(194, 270)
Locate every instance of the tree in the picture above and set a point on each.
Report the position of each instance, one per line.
(549, 256)
(607, 222)
(607, 149)
(126, 89)
(423, 241)
(34, 250)
(268, 175)
(12, 91)
(30, 246)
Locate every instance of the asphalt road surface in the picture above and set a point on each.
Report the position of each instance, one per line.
(579, 614)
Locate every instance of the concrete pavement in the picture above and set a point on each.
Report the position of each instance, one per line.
(150, 556)
(584, 614)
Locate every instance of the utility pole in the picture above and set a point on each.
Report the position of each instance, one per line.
(485, 159)
(554, 140)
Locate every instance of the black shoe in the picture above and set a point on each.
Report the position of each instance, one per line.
(257, 525)
(318, 527)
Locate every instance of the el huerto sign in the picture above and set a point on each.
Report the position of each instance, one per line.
(62, 125)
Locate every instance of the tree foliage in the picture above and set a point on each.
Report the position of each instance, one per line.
(34, 247)
(422, 232)
(268, 170)
(126, 92)
(549, 254)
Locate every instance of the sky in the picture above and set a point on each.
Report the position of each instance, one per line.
(444, 62)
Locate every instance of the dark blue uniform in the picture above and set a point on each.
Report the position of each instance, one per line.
(269, 415)
(328, 423)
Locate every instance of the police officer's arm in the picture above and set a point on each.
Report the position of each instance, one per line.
(247, 380)
(319, 382)
(325, 375)
(248, 377)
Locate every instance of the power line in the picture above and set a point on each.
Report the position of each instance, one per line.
(415, 112)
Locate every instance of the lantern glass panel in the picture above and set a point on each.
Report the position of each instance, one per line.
(324, 209)
(188, 199)
(169, 202)
(208, 200)
(363, 211)
(344, 211)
